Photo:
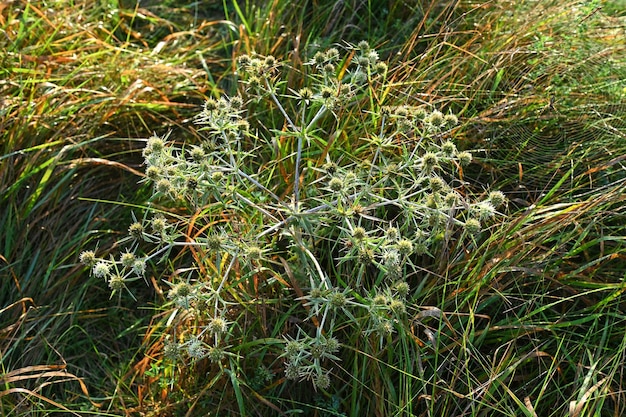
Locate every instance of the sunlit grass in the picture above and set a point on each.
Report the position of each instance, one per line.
(79, 93)
(527, 321)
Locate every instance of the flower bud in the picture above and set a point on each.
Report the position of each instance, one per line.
(497, 198)
(88, 258)
(472, 226)
(359, 233)
(116, 283)
(465, 158)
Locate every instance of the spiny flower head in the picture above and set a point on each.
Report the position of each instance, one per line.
(330, 167)
(380, 300)
(436, 119)
(242, 126)
(350, 178)
(366, 256)
(217, 176)
(329, 68)
(391, 258)
(359, 78)
(215, 242)
(397, 306)
(485, 210)
(420, 113)
(451, 119)
(497, 198)
(380, 68)
(392, 234)
(437, 219)
(154, 172)
(436, 184)
(345, 91)
(331, 344)
(195, 348)
(197, 154)
(154, 146)
(293, 348)
(465, 158)
(316, 293)
(235, 103)
(211, 105)
(116, 282)
(372, 56)
(429, 161)
(327, 93)
(180, 290)
(432, 201)
(402, 288)
(254, 252)
(319, 58)
(451, 199)
(191, 183)
(322, 381)
(254, 83)
(420, 235)
(359, 233)
(448, 149)
(158, 224)
(402, 112)
(139, 267)
(337, 299)
(292, 370)
(317, 350)
(171, 350)
(472, 226)
(216, 354)
(127, 259)
(332, 54)
(305, 94)
(88, 258)
(164, 186)
(421, 248)
(393, 271)
(101, 269)
(264, 374)
(217, 326)
(270, 61)
(244, 61)
(136, 230)
(363, 60)
(405, 247)
(384, 327)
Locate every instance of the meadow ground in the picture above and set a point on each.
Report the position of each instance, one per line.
(326, 248)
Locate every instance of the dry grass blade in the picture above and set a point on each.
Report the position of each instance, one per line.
(576, 407)
(37, 372)
(28, 393)
(102, 161)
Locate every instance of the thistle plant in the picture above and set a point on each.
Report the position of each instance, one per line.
(315, 196)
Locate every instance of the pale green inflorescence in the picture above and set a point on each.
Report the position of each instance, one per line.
(279, 200)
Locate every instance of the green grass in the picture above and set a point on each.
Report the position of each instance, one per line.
(524, 320)
(71, 128)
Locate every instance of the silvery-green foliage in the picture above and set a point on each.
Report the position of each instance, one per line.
(350, 223)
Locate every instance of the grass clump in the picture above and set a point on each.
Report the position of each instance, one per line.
(78, 92)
